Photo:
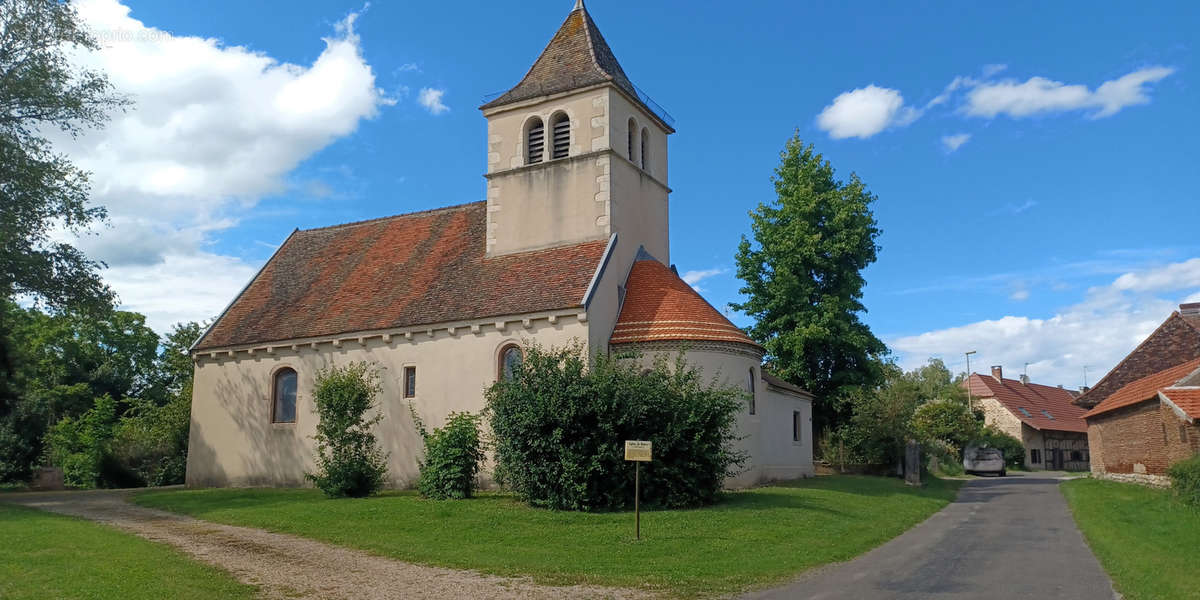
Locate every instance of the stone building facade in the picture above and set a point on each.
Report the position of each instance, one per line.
(1044, 418)
(571, 245)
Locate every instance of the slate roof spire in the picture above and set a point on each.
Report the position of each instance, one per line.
(576, 57)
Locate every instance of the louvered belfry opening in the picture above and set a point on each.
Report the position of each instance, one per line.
(562, 136)
(645, 153)
(536, 142)
(632, 132)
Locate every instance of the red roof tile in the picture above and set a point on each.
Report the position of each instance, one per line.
(661, 306)
(1034, 398)
(1187, 399)
(400, 271)
(1146, 388)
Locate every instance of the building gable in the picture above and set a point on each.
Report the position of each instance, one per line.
(1176, 341)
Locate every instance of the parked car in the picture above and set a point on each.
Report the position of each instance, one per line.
(977, 461)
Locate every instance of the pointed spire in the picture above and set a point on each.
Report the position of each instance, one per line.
(577, 56)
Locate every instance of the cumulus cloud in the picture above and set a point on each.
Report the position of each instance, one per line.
(431, 99)
(954, 142)
(864, 112)
(214, 128)
(693, 278)
(1039, 95)
(1097, 332)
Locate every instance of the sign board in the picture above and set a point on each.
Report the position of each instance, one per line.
(637, 450)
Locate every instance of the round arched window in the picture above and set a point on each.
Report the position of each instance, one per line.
(284, 405)
(510, 360)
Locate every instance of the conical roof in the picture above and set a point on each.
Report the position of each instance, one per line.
(659, 306)
(577, 56)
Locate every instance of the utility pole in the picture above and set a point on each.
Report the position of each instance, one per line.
(970, 403)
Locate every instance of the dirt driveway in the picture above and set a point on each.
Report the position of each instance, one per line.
(285, 566)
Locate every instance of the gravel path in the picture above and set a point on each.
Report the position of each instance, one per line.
(285, 566)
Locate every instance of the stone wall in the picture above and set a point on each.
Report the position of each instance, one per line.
(1139, 442)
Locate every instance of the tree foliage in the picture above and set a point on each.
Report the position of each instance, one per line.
(453, 455)
(43, 89)
(803, 280)
(560, 425)
(349, 460)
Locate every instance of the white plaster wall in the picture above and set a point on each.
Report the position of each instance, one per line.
(234, 443)
(781, 457)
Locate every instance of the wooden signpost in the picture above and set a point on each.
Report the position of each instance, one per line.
(638, 452)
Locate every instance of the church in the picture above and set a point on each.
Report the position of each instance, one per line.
(571, 245)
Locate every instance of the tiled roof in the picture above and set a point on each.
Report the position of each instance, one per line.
(1187, 399)
(1146, 388)
(659, 306)
(412, 269)
(577, 56)
(779, 383)
(1177, 339)
(1027, 401)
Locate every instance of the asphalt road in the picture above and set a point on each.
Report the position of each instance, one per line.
(1003, 538)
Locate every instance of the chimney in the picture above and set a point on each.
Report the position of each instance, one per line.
(997, 372)
(1024, 379)
(1084, 390)
(1192, 309)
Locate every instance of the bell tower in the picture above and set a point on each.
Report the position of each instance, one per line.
(576, 152)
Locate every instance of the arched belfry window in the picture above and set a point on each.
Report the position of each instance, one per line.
(283, 393)
(632, 137)
(750, 389)
(510, 360)
(645, 149)
(560, 124)
(535, 141)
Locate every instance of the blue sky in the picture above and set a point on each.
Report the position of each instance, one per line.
(1035, 162)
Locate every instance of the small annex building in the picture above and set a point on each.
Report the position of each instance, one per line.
(1045, 418)
(571, 245)
(1143, 415)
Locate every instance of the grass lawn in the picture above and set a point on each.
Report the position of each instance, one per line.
(751, 538)
(52, 556)
(1146, 540)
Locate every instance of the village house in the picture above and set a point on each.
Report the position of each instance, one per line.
(1044, 418)
(1143, 413)
(571, 245)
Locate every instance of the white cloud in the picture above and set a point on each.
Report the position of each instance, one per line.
(1039, 95)
(954, 142)
(693, 278)
(1097, 332)
(1175, 276)
(864, 112)
(1020, 295)
(213, 129)
(431, 99)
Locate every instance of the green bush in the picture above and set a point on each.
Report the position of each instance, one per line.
(81, 446)
(1185, 480)
(560, 426)
(948, 421)
(1013, 449)
(452, 457)
(151, 441)
(349, 461)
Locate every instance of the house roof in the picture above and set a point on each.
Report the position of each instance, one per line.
(576, 57)
(774, 381)
(1187, 399)
(659, 306)
(1148, 388)
(413, 269)
(1176, 339)
(1027, 401)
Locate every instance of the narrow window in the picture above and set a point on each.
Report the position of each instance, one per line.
(796, 426)
(632, 134)
(284, 406)
(750, 388)
(1035, 456)
(645, 150)
(535, 142)
(562, 136)
(410, 382)
(510, 361)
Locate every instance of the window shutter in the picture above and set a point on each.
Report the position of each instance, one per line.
(562, 137)
(537, 142)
